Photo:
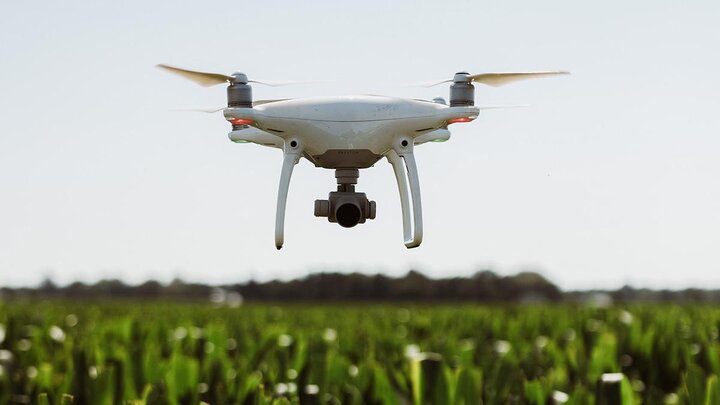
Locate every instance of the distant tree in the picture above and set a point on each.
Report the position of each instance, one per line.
(47, 285)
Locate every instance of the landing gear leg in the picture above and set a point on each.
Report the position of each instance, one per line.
(402, 159)
(292, 152)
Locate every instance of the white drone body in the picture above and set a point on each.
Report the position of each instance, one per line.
(347, 134)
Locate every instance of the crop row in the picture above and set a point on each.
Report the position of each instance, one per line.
(169, 353)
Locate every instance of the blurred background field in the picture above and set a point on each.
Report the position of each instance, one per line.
(164, 352)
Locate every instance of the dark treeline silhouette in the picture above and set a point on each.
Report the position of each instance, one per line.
(414, 286)
(483, 286)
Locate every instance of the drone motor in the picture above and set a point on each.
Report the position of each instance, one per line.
(462, 91)
(239, 92)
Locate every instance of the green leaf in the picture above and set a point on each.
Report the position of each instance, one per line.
(712, 391)
(43, 399)
(604, 356)
(382, 390)
(614, 389)
(469, 387)
(534, 393)
(694, 382)
(428, 380)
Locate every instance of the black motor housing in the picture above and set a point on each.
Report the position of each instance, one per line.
(239, 95)
(462, 94)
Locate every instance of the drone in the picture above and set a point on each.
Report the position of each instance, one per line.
(349, 133)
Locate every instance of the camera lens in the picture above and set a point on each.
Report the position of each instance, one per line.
(348, 215)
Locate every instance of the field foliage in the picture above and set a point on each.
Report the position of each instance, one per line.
(188, 353)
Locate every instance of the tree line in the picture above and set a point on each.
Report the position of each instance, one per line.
(483, 286)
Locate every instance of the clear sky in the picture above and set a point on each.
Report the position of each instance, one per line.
(610, 177)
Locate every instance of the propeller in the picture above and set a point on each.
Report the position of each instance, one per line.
(208, 79)
(202, 110)
(497, 107)
(495, 79)
(441, 100)
(218, 109)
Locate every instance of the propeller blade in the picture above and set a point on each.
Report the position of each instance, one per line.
(496, 107)
(500, 79)
(429, 84)
(276, 83)
(202, 110)
(261, 102)
(497, 79)
(202, 78)
(214, 110)
(208, 79)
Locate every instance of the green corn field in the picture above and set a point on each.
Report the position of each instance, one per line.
(58, 352)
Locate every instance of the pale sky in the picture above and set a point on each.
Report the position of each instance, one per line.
(610, 177)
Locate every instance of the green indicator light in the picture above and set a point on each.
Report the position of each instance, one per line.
(439, 140)
(242, 141)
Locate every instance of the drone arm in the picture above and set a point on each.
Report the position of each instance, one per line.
(404, 148)
(292, 152)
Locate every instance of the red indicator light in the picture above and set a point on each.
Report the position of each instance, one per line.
(242, 121)
(459, 119)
